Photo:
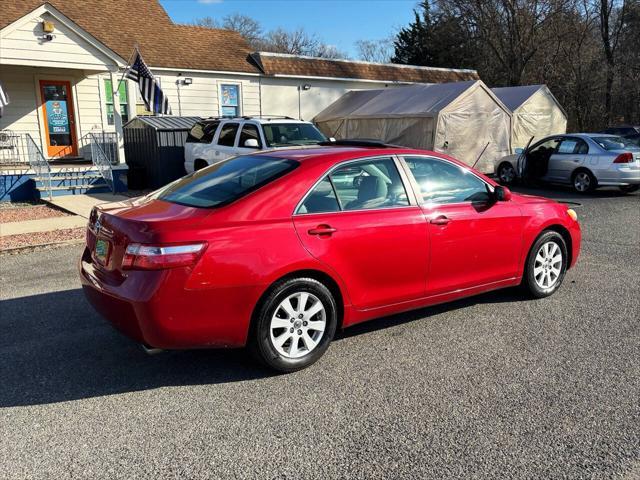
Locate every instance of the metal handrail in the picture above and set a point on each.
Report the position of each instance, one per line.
(38, 163)
(102, 161)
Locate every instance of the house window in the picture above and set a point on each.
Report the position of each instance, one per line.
(230, 100)
(124, 102)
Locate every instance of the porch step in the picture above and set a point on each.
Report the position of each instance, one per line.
(55, 178)
(84, 186)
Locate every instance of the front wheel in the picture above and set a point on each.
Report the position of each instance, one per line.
(546, 265)
(294, 325)
(629, 188)
(506, 173)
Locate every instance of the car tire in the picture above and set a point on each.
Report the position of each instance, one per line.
(583, 181)
(629, 188)
(543, 273)
(506, 173)
(286, 336)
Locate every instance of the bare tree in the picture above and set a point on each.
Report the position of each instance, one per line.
(207, 22)
(246, 26)
(298, 42)
(379, 51)
(612, 15)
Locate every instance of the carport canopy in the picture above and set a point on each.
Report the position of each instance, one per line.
(536, 113)
(457, 118)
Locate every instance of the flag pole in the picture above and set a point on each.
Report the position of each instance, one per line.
(135, 50)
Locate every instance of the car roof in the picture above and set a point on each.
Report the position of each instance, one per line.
(333, 154)
(261, 120)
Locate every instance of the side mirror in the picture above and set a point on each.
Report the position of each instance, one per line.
(502, 194)
(251, 143)
(519, 150)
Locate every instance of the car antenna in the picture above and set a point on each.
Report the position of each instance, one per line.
(479, 156)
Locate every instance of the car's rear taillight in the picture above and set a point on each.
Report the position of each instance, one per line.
(626, 157)
(158, 257)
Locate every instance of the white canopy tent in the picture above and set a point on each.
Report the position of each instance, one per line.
(458, 119)
(536, 113)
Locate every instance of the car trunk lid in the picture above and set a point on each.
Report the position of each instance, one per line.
(112, 226)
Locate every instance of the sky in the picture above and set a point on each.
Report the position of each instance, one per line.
(336, 22)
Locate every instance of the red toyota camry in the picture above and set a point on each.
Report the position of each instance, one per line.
(279, 249)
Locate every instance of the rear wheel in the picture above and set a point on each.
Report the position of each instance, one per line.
(506, 173)
(546, 265)
(294, 325)
(583, 181)
(629, 188)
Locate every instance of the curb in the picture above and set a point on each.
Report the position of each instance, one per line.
(29, 248)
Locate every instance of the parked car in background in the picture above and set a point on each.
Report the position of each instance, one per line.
(584, 160)
(215, 139)
(628, 132)
(278, 250)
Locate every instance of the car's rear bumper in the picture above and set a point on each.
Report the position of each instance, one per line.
(624, 174)
(155, 308)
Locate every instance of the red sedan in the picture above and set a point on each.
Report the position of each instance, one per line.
(279, 249)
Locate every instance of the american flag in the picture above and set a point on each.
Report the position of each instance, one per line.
(153, 96)
(4, 98)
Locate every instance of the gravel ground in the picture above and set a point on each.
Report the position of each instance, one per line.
(30, 212)
(40, 238)
(491, 387)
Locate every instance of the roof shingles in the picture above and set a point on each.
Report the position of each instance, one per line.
(123, 24)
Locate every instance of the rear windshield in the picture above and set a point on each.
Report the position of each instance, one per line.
(287, 134)
(613, 143)
(226, 181)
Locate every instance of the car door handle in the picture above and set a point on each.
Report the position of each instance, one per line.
(440, 220)
(322, 230)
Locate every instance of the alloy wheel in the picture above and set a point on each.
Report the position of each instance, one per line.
(548, 265)
(298, 324)
(582, 181)
(507, 174)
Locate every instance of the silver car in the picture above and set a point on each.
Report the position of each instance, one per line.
(584, 160)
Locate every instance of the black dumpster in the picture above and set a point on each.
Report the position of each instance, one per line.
(154, 149)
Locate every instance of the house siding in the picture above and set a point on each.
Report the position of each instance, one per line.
(280, 95)
(202, 98)
(22, 114)
(23, 45)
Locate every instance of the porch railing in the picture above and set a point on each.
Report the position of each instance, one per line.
(108, 142)
(20, 149)
(102, 160)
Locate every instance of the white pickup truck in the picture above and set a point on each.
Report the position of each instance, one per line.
(215, 139)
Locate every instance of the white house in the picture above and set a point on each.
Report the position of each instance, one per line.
(61, 61)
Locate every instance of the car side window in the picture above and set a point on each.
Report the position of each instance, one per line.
(249, 131)
(370, 184)
(365, 185)
(573, 146)
(547, 147)
(442, 182)
(322, 199)
(567, 145)
(228, 134)
(202, 132)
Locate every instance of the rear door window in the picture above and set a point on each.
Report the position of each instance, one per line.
(228, 133)
(225, 182)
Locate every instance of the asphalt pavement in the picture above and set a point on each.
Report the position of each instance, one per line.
(495, 386)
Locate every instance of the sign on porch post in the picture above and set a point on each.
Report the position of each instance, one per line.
(117, 117)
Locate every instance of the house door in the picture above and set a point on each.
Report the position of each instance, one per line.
(59, 118)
